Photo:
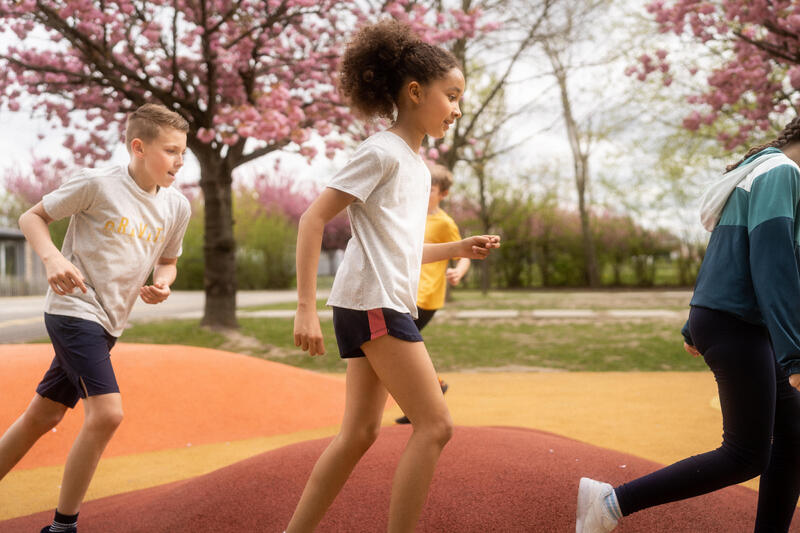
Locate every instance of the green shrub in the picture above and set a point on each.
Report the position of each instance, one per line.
(191, 263)
(265, 247)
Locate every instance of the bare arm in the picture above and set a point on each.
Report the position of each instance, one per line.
(62, 275)
(477, 247)
(307, 331)
(163, 276)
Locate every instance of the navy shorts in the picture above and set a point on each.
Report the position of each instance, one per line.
(353, 328)
(82, 365)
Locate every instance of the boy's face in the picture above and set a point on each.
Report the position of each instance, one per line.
(162, 157)
(436, 197)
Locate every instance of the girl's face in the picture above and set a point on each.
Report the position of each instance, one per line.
(438, 108)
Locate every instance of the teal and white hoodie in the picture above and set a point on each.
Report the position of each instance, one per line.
(752, 264)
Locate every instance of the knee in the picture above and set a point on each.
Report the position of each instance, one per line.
(106, 421)
(753, 460)
(362, 438)
(44, 421)
(440, 430)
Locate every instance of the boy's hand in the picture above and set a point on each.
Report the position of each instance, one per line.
(308, 333)
(453, 276)
(62, 275)
(479, 246)
(794, 381)
(155, 293)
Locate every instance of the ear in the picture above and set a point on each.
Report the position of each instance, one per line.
(137, 147)
(444, 194)
(414, 90)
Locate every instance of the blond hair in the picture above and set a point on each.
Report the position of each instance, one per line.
(441, 176)
(145, 123)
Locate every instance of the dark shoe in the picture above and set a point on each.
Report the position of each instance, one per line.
(46, 529)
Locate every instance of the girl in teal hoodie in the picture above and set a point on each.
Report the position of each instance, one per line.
(745, 322)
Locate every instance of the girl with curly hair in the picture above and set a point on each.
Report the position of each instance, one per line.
(386, 71)
(744, 321)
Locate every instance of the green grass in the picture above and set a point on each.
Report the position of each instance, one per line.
(186, 332)
(597, 300)
(588, 345)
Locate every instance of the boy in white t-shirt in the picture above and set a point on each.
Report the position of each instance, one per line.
(126, 222)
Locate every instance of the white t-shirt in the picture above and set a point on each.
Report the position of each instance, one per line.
(116, 234)
(382, 260)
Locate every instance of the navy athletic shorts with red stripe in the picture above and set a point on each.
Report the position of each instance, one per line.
(353, 328)
(82, 364)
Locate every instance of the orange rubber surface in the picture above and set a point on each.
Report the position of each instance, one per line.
(175, 396)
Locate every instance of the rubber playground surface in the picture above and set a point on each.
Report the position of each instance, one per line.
(217, 441)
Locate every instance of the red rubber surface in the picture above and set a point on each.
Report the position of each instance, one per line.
(488, 480)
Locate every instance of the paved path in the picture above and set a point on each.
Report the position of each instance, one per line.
(21, 317)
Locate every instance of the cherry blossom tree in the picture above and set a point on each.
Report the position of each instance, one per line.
(251, 76)
(755, 49)
(29, 186)
(278, 193)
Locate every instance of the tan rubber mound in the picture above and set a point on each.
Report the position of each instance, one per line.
(178, 396)
(488, 480)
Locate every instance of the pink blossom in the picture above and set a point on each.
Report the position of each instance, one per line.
(744, 85)
(794, 77)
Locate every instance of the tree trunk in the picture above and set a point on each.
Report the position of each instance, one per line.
(219, 249)
(590, 259)
(579, 146)
(485, 217)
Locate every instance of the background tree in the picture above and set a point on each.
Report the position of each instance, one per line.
(570, 28)
(251, 76)
(492, 62)
(754, 50)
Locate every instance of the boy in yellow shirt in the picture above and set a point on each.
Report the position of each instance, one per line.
(433, 279)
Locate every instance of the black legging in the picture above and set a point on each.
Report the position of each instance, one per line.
(423, 317)
(760, 420)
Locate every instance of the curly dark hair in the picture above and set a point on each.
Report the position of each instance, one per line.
(790, 133)
(380, 58)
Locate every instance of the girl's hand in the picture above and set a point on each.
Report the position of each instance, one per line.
(794, 381)
(308, 333)
(691, 349)
(154, 294)
(62, 275)
(479, 246)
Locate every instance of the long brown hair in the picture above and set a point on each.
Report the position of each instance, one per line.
(789, 134)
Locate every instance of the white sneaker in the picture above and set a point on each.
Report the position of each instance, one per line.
(593, 516)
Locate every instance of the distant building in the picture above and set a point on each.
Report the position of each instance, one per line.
(21, 272)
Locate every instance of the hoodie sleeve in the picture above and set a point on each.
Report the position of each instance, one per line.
(775, 259)
(687, 335)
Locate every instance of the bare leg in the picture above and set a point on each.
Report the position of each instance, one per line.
(41, 416)
(364, 404)
(406, 370)
(103, 414)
